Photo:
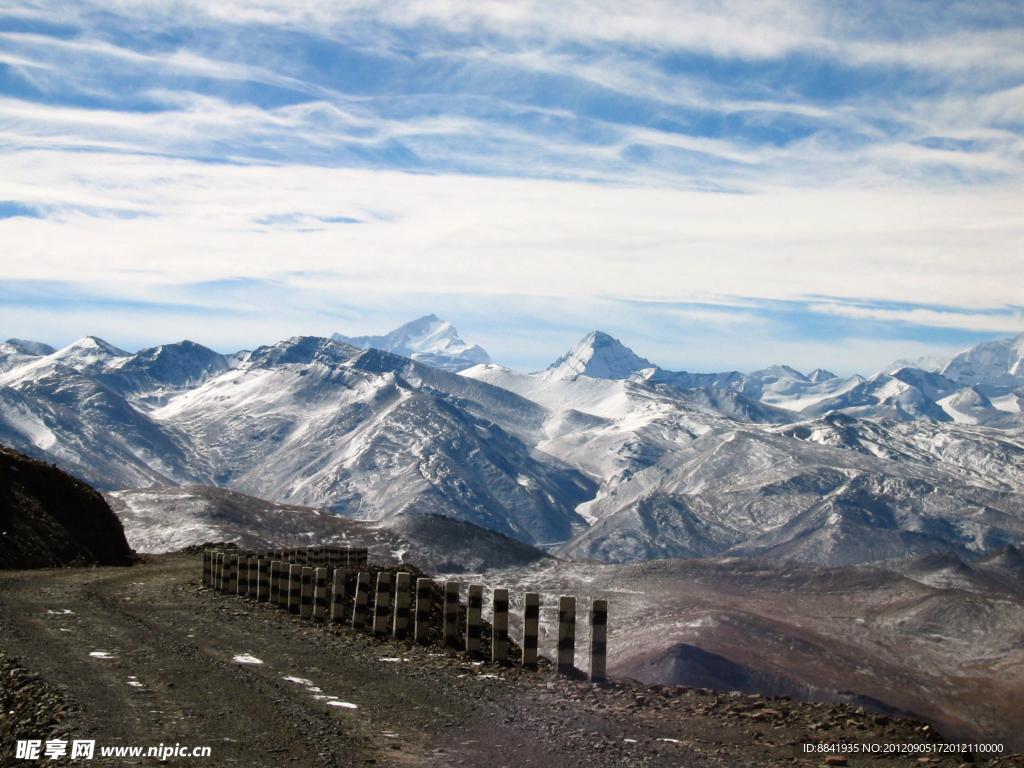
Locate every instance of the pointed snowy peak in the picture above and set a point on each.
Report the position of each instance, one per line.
(929, 363)
(598, 356)
(88, 353)
(819, 375)
(428, 339)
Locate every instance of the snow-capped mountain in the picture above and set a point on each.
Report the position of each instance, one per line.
(429, 340)
(599, 356)
(15, 352)
(603, 455)
(995, 366)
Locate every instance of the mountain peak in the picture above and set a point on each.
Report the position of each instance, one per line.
(88, 352)
(600, 356)
(997, 363)
(26, 347)
(428, 339)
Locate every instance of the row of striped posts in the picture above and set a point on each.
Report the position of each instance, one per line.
(312, 586)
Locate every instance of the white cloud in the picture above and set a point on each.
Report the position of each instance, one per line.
(1008, 321)
(456, 234)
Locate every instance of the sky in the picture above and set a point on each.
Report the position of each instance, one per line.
(721, 185)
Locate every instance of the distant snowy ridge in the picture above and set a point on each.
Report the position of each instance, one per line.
(428, 339)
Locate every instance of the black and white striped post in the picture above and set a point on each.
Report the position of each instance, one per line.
(531, 629)
(451, 614)
(254, 576)
(362, 599)
(566, 635)
(320, 594)
(338, 596)
(218, 570)
(499, 626)
(401, 623)
(284, 583)
(474, 611)
(242, 585)
(262, 580)
(306, 593)
(231, 582)
(294, 588)
(424, 599)
(598, 640)
(275, 582)
(382, 604)
(362, 557)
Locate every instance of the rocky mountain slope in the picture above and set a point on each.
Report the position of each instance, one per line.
(48, 519)
(604, 455)
(158, 520)
(936, 636)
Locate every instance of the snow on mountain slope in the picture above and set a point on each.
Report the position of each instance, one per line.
(168, 519)
(58, 413)
(16, 352)
(882, 396)
(599, 356)
(994, 365)
(429, 340)
(371, 445)
(757, 493)
(602, 456)
(150, 376)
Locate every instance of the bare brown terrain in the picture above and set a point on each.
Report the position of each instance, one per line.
(145, 655)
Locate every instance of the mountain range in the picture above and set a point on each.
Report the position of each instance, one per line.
(603, 455)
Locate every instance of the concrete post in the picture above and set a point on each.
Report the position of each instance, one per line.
(598, 640)
(306, 593)
(382, 604)
(474, 609)
(424, 598)
(566, 634)
(361, 601)
(451, 614)
(242, 586)
(338, 596)
(499, 626)
(531, 629)
(401, 628)
(294, 588)
(320, 594)
(231, 582)
(283, 584)
(253, 580)
(262, 580)
(275, 582)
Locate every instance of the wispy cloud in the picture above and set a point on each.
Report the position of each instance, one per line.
(667, 152)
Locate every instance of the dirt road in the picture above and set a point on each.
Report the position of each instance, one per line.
(145, 656)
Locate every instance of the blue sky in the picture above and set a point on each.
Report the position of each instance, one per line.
(721, 185)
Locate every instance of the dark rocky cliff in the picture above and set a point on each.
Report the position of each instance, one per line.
(49, 519)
